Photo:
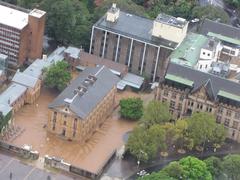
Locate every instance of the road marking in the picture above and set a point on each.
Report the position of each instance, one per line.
(7, 165)
(30, 172)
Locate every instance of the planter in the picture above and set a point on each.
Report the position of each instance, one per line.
(164, 154)
(181, 151)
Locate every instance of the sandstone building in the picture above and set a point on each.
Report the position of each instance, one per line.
(187, 90)
(21, 33)
(141, 44)
(84, 105)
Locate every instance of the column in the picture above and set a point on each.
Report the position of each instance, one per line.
(156, 64)
(104, 44)
(130, 53)
(116, 54)
(90, 48)
(143, 58)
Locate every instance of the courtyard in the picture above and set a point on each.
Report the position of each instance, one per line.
(91, 156)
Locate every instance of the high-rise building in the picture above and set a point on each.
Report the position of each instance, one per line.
(142, 44)
(21, 33)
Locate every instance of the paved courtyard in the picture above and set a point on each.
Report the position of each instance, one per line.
(90, 156)
(20, 171)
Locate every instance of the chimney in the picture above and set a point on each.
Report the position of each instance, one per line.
(113, 13)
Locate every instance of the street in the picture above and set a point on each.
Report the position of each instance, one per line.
(13, 169)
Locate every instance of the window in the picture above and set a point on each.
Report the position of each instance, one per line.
(180, 106)
(65, 123)
(164, 100)
(204, 53)
(172, 104)
(53, 128)
(74, 133)
(237, 115)
(229, 113)
(218, 119)
(226, 122)
(206, 66)
(174, 95)
(208, 54)
(220, 110)
(200, 66)
(235, 125)
(63, 132)
(181, 97)
(165, 93)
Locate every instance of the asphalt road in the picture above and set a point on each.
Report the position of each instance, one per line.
(21, 171)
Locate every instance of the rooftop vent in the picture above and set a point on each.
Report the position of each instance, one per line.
(113, 13)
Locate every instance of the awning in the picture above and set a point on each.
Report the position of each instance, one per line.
(131, 80)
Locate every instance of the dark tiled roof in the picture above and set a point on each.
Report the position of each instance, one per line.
(134, 26)
(219, 28)
(212, 83)
(83, 105)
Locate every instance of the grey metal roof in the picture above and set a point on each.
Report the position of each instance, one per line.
(202, 79)
(24, 79)
(133, 26)
(84, 104)
(219, 28)
(73, 52)
(12, 93)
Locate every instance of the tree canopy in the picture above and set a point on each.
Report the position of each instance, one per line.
(214, 166)
(57, 76)
(231, 166)
(131, 108)
(156, 112)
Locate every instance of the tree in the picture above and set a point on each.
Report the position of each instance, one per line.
(200, 127)
(141, 145)
(156, 112)
(183, 140)
(231, 166)
(157, 176)
(210, 12)
(131, 108)
(174, 169)
(214, 166)
(219, 135)
(57, 76)
(158, 134)
(194, 169)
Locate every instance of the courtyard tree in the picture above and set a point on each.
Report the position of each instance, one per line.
(141, 145)
(194, 168)
(174, 169)
(200, 127)
(157, 176)
(156, 112)
(231, 166)
(183, 141)
(58, 76)
(131, 108)
(210, 12)
(214, 166)
(219, 135)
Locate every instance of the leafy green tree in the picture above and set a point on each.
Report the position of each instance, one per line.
(158, 134)
(219, 134)
(214, 166)
(231, 166)
(58, 76)
(156, 112)
(194, 169)
(183, 140)
(157, 176)
(141, 145)
(200, 127)
(131, 108)
(210, 12)
(174, 169)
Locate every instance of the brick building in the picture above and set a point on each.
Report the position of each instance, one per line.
(187, 90)
(84, 105)
(142, 44)
(21, 33)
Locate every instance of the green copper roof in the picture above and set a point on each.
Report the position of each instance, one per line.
(224, 38)
(188, 51)
(179, 79)
(229, 95)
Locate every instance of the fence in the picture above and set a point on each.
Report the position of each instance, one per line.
(20, 151)
(60, 164)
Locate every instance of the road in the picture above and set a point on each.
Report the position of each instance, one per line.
(14, 169)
